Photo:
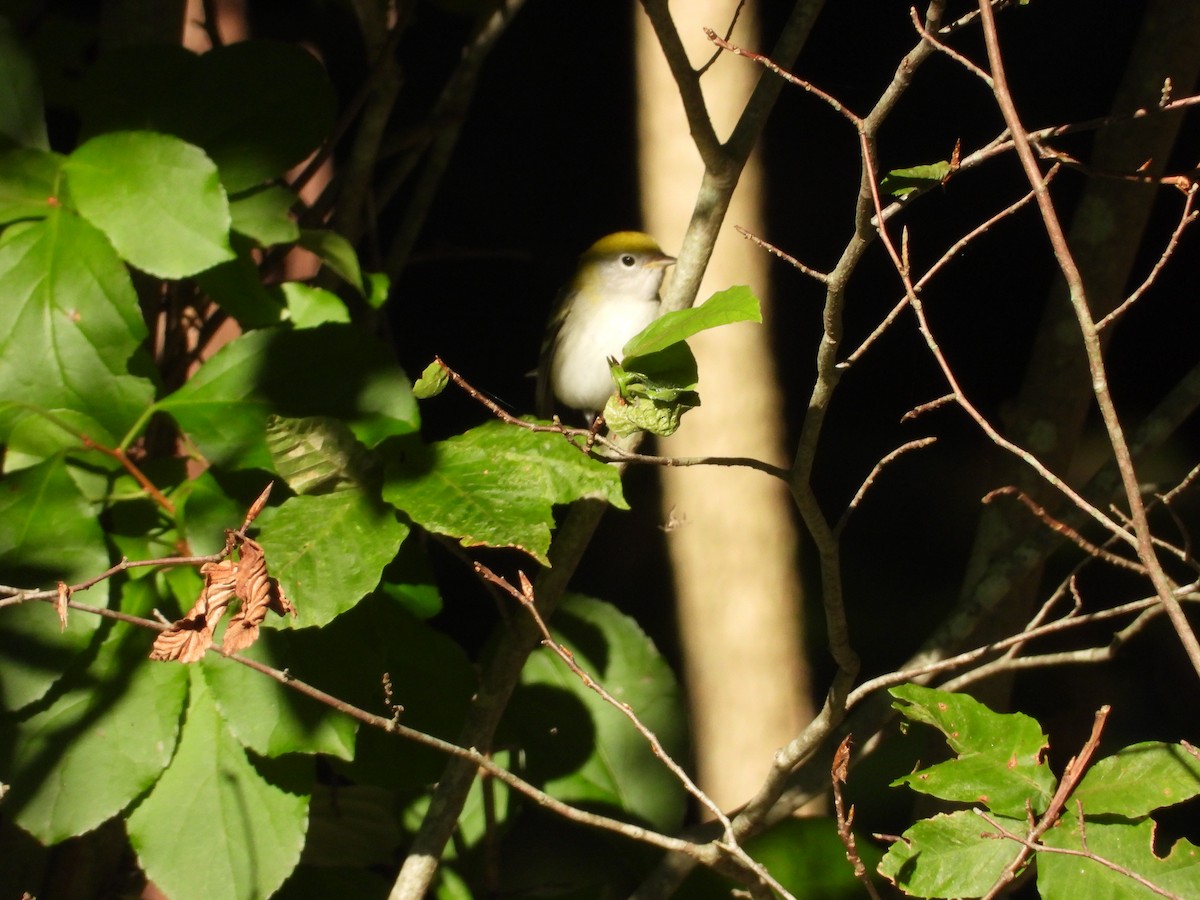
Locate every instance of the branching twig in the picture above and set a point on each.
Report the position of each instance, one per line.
(1091, 341)
(131, 467)
(1066, 786)
(585, 439)
(1039, 847)
(1186, 218)
(525, 596)
(1065, 530)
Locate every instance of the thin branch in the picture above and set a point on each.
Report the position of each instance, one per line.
(951, 252)
(1091, 342)
(766, 62)
(1186, 218)
(387, 724)
(585, 439)
(845, 820)
(1066, 786)
(211, 23)
(728, 34)
(525, 596)
(960, 396)
(918, 444)
(1065, 530)
(132, 468)
(787, 258)
(949, 51)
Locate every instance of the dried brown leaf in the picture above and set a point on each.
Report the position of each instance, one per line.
(188, 639)
(259, 592)
(257, 506)
(60, 604)
(841, 761)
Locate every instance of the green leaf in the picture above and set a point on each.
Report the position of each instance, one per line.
(582, 749)
(429, 675)
(224, 407)
(947, 856)
(237, 288)
(494, 486)
(337, 253)
(28, 182)
(268, 718)
(900, 182)
(409, 581)
(36, 438)
(69, 323)
(1138, 779)
(213, 804)
(735, 304)
(999, 763)
(22, 120)
(316, 454)
(328, 551)
(157, 198)
(48, 532)
(378, 288)
(1127, 844)
(310, 306)
(653, 391)
(102, 743)
(204, 510)
(257, 107)
(432, 381)
(264, 214)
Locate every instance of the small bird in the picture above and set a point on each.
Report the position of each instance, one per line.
(613, 296)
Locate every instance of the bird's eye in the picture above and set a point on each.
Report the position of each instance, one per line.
(628, 260)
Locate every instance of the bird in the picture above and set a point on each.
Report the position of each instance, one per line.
(613, 295)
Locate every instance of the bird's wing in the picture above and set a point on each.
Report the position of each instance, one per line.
(544, 394)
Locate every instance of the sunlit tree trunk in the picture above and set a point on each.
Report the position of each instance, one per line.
(732, 541)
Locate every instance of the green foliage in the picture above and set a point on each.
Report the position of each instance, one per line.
(617, 768)
(174, 190)
(902, 182)
(657, 378)
(494, 486)
(1104, 825)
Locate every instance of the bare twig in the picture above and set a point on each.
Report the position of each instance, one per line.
(1091, 342)
(918, 444)
(389, 724)
(525, 596)
(1066, 786)
(1186, 218)
(768, 63)
(733, 20)
(586, 439)
(949, 51)
(952, 251)
(787, 258)
(131, 467)
(1065, 530)
(845, 820)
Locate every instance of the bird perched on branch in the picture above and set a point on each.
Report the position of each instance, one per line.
(613, 296)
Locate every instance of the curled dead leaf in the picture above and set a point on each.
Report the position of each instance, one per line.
(189, 638)
(60, 605)
(259, 592)
(245, 579)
